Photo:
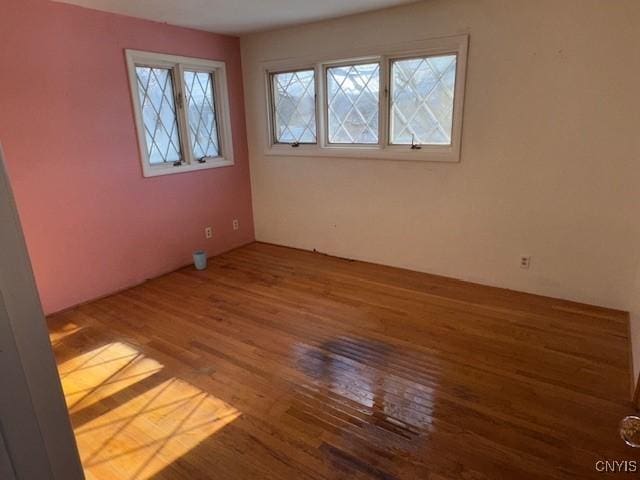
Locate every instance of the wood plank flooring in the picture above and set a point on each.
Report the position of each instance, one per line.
(276, 363)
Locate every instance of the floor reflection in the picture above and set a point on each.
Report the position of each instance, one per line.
(373, 383)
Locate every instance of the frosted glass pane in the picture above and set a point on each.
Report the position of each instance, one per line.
(353, 96)
(422, 93)
(201, 114)
(294, 100)
(155, 91)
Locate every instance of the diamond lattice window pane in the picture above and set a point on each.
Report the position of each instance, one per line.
(155, 91)
(294, 101)
(353, 98)
(201, 114)
(422, 92)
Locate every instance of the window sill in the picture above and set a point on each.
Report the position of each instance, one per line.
(447, 154)
(156, 171)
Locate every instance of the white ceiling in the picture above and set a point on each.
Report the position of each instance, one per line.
(235, 16)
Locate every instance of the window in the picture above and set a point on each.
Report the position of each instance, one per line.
(181, 108)
(353, 101)
(422, 92)
(401, 102)
(201, 114)
(156, 93)
(294, 105)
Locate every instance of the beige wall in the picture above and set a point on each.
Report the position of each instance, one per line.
(550, 152)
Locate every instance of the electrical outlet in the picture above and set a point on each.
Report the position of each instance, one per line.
(208, 232)
(236, 224)
(525, 261)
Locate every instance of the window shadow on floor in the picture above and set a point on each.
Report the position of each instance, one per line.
(131, 418)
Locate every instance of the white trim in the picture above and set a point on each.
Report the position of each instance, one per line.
(168, 169)
(178, 65)
(384, 54)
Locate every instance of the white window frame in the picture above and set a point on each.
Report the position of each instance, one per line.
(452, 45)
(178, 65)
(271, 101)
(324, 107)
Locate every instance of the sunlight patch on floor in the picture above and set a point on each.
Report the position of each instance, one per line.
(68, 329)
(102, 372)
(160, 420)
(151, 431)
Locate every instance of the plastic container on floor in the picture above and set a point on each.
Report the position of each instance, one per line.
(200, 259)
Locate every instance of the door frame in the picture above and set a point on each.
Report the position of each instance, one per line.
(34, 421)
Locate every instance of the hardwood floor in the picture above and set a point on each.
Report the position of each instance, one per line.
(276, 363)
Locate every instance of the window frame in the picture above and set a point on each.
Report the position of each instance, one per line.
(284, 67)
(391, 60)
(177, 66)
(384, 150)
(325, 105)
(272, 104)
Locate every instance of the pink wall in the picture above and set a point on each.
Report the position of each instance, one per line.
(93, 224)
